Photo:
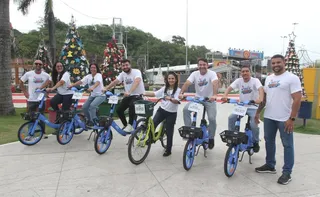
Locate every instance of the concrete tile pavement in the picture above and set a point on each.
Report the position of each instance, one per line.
(49, 169)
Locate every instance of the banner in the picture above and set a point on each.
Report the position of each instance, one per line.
(245, 54)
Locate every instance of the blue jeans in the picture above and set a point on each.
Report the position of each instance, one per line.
(91, 105)
(211, 109)
(254, 127)
(270, 131)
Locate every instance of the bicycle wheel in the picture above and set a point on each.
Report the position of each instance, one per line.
(231, 161)
(65, 132)
(188, 155)
(163, 138)
(24, 133)
(103, 141)
(78, 129)
(143, 142)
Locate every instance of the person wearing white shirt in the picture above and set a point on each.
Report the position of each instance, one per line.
(168, 108)
(206, 85)
(37, 79)
(282, 101)
(250, 89)
(95, 83)
(134, 88)
(61, 81)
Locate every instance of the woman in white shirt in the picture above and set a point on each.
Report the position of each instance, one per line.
(95, 83)
(168, 108)
(61, 81)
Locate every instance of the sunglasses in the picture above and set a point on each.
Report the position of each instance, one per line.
(92, 82)
(38, 64)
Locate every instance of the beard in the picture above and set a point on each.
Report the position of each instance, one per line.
(277, 69)
(127, 70)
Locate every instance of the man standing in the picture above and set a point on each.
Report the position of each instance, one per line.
(250, 89)
(37, 79)
(282, 101)
(206, 85)
(134, 87)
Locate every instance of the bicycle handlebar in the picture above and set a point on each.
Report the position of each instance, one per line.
(108, 93)
(197, 99)
(235, 101)
(41, 90)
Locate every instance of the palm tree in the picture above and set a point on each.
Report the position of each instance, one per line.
(48, 18)
(6, 105)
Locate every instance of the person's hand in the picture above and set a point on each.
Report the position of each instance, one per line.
(126, 94)
(224, 98)
(288, 126)
(70, 86)
(89, 89)
(168, 98)
(49, 89)
(26, 94)
(104, 90)
(213, 98)
(181, 96)
(257, 118)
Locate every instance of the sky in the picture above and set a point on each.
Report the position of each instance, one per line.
(241, 24)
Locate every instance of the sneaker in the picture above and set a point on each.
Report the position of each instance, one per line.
(256, 147)
(211, 143)
(128, 128)
(166, 154)
(284, 179)
(266, 169)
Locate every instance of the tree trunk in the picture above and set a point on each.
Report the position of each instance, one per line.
(6, 105)
(52, 38)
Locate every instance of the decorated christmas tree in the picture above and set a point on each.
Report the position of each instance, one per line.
(111, 67)
(73, 55)
(43, 55)
(292, 61)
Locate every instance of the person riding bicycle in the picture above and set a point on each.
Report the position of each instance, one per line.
(250, 89)
(134, 88)
(37, 79)
(206, 85)
(95, 83)
(169, 107)
(61, 81)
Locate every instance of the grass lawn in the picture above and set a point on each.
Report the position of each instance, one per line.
(312, 126)
(9, 126)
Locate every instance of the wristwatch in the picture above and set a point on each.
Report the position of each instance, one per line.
(291, 118)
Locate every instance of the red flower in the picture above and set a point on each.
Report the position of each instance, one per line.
(104, 76)
(109, 73)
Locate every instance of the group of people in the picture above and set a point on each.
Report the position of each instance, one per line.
(281, 97)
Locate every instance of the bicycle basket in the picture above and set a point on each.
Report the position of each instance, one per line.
(190, 132)
(104, 121)
(144, 108)
(30, 115)
(233, 137)
(67, 115)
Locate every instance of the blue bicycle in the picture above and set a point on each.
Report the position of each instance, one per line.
(31, 132)
(237, 141)
(104, 137)
(74, 123)
(196, 136)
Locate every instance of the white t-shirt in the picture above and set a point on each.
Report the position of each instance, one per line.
(63, 90)
(203, 83)
(168, 105)
(279, 101)
(35, 81)
(88, 79)
(128, 80)
(248, 90)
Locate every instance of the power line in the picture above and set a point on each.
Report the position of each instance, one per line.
(86, 14)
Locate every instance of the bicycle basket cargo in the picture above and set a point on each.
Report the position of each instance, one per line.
(67, 115)
(190, 132)
(144, 108)
(233, 137)
(30, 115)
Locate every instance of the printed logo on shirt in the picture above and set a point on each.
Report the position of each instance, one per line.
(274, 84)
(246, 90)
(128, 81)
(37, 80)
(202, 82)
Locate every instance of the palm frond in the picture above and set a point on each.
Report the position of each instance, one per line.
(24, 5)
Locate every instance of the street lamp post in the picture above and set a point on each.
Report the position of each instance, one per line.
(283, 37)
(126, 31)
(187, 34)
(148, 54)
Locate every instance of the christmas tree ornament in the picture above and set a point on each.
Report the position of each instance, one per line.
(69, 54)
(72, 46)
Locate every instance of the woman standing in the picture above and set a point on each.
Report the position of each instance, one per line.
(169, 107)
(95, 83)
(61, 81)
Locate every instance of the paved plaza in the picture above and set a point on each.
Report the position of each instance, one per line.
(49, 169)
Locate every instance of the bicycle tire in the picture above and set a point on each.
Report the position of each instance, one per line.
(131, 141)
(22, 140)
(59, 137)
(227, 158)
(187, 165)
(96, 141)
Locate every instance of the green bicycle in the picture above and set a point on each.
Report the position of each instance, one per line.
(145, 134)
